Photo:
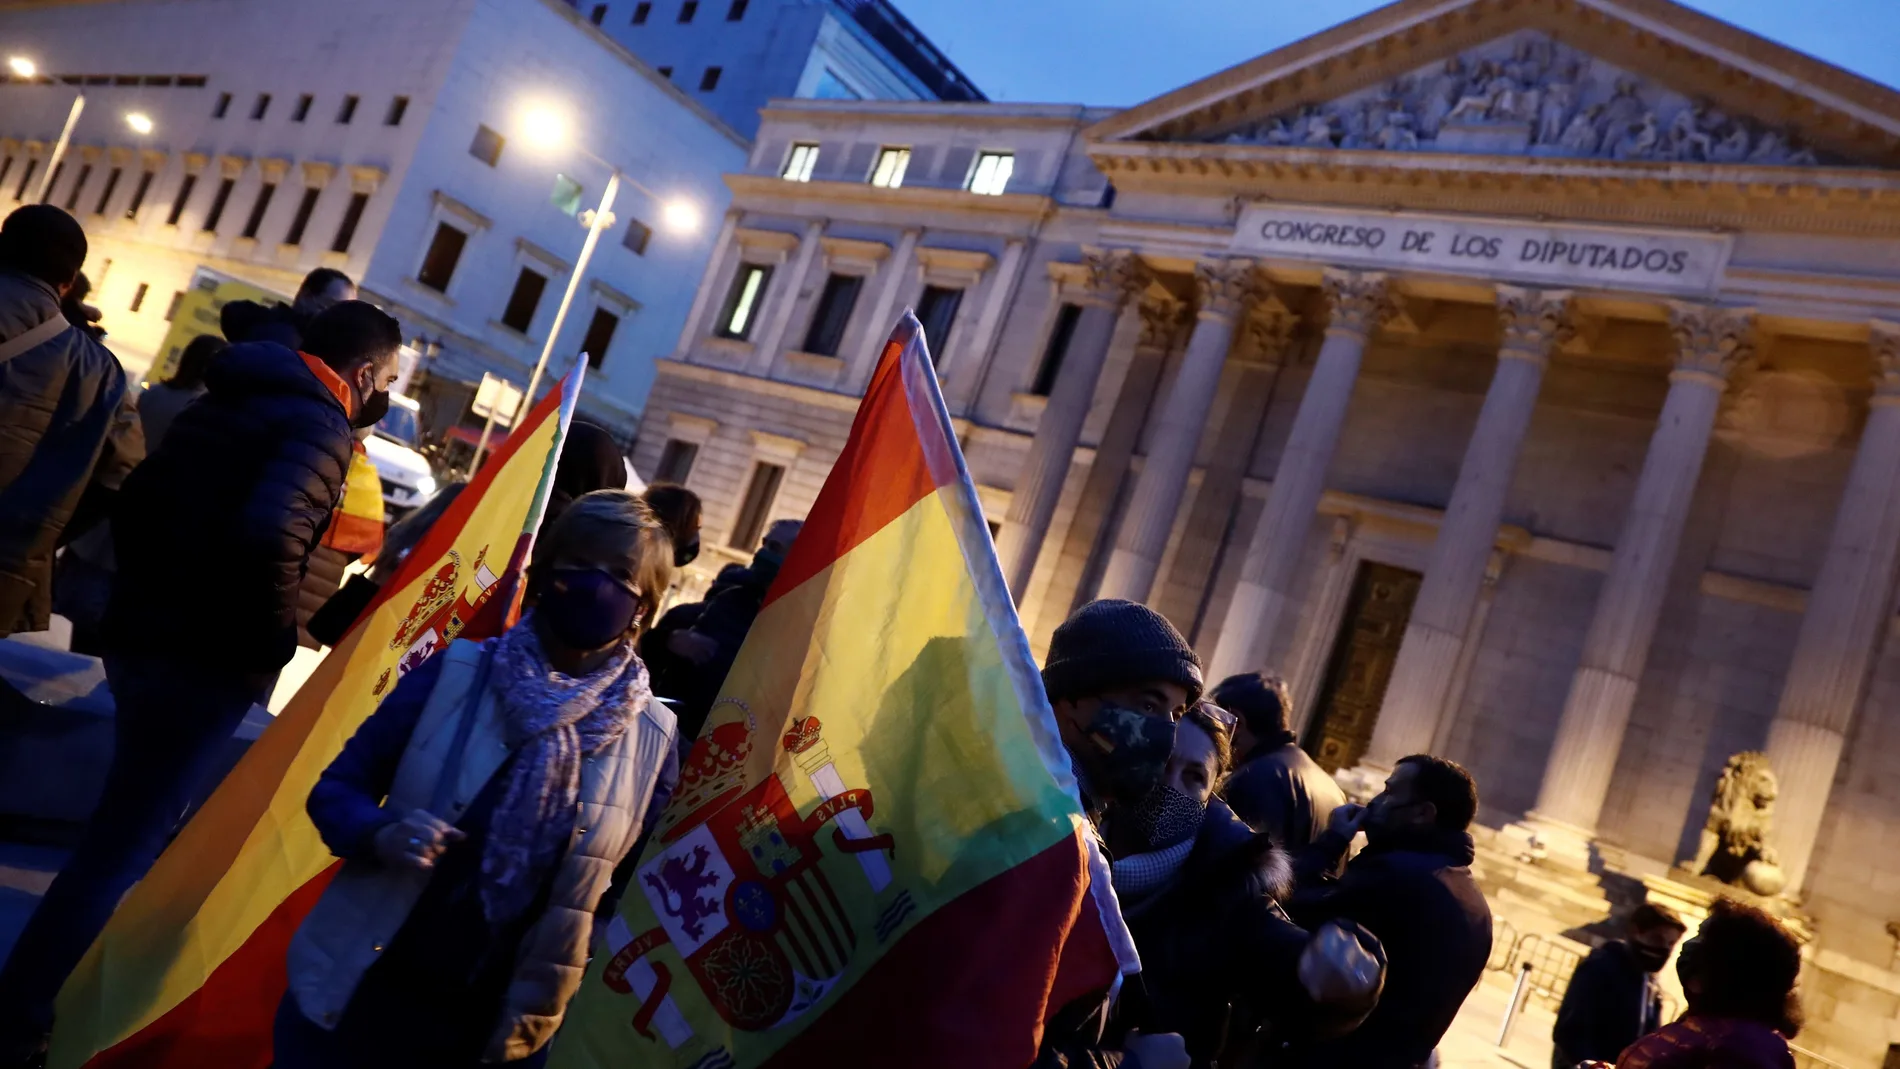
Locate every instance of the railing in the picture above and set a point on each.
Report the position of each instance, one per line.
(1807, 1059)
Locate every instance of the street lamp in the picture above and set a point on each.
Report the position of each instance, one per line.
(24, 67)
(546, 128)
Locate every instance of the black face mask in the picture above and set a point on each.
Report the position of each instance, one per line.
(686, 554)
(1133, 749)
(586, 608)
(372, 410)
(1652, 959)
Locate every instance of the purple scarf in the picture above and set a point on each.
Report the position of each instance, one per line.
(551, 721)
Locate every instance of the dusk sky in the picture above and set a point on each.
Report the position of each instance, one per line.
(1122, 52)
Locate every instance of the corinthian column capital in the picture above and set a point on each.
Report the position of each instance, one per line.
(1114, 276)
(1224, 288)
(1883, 341)
(1532, 322)
(1357, 302)
(1269, 329)
(1161, 320)
(1712, 341)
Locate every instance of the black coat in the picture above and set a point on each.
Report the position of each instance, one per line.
(1281, 791)
(57, 402)
(214, 531)
(1609, 1005)
(1417, 895)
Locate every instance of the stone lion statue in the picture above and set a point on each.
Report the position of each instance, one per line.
(1735, 847)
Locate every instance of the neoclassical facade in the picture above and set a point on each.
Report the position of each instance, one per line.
(1520, 378)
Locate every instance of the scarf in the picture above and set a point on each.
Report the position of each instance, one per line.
(550, 721)
(1137, 876)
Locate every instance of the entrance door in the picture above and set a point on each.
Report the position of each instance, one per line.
(1363, 654)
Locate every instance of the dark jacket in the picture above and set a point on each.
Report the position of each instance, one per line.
(1611, 1003)
(1697, 1042)
(214, 530)
(57, 402)
(1281, 791)
(726, 618)
(1417, 895)
(250, 321)
(1215, 945)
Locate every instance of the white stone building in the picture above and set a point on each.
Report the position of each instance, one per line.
(1517, 378)
(736, 55)
(382, 139)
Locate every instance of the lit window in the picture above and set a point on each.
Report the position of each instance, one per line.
(992, 171)
(891, 163)
(799, 162)
(742, 303)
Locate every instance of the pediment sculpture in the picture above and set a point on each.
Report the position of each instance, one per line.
(1528, 94)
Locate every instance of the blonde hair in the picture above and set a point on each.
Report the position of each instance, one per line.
(613, 525)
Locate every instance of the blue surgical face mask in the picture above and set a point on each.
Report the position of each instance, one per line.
(586, 608)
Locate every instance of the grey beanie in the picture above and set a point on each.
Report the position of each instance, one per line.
(1113, 643)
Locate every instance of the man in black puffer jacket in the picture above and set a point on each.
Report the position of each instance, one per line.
(212, 533)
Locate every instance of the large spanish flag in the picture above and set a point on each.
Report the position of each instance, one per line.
(188, 973)
(876, 855)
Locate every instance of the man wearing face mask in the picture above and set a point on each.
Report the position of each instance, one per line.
(1613, 999)
(212, 534)
(1412, 888)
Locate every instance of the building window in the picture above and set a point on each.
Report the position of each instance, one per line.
(1057, 349)
(709, 81)
(72, 195)
(640, 12)
(445, 250)
(760, 493)
(171, 310)
(676, 462)
(487, 145)
(301, 221)
(742, 304)
(529, 285)
(302, 110)
(258, 109)
(638, 234)
(397, 109)
(184, 196)
(937, 311)
(991, 173)
(799, 162)
(348, 111)
(666, 72)
(832, 87)
(138, 194)
(737, 10)
(600, 14)
(600, 334)
(138, 296)
(352, 215)
(258, 208)
(26, 176)
(218, 201)
(105, 195)
(46, 196)
(688, 10)
(891, 164)
(223, 105)
(833, 314)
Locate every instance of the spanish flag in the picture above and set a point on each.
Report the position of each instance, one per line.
(188, 973)
(876, 854)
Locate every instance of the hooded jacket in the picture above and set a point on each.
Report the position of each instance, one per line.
(57, 403)
(214, 531)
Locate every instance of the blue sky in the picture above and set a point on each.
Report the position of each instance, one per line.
(1121, 52)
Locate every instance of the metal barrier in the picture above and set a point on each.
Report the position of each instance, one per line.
(1503, 945)
(1807, 1059)
(1550, 963)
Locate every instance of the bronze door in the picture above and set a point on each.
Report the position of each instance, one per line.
(1363, 654)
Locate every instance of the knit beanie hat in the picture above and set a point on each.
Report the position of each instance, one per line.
(44, 242)
(1113, 643)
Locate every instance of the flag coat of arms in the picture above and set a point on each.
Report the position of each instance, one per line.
(190, 969)
(875, 854)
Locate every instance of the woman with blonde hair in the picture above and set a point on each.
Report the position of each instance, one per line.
(480, 813)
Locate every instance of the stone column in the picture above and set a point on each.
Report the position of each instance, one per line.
(1224, 289)
(1356, 304)
(777, 317)
(1711, 342)
(1530, 324)
(1114, 276)
(1844, 624)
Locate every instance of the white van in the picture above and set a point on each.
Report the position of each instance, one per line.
(407, 480)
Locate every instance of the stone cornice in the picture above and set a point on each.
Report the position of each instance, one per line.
(1728, 196)
(747, 188)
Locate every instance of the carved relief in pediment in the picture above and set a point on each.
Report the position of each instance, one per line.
(1528, 94)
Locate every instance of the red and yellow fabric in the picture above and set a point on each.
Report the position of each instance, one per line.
(357, 526)
(189, 971)
(876, 854)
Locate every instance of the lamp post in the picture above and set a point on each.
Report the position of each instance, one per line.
(140, 123)
(547, 129)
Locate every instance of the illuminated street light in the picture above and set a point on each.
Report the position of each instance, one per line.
(680, 216)
(23, 66)
(28, 69)
(140, 122)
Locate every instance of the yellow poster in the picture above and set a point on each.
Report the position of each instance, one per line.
(198, 314)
